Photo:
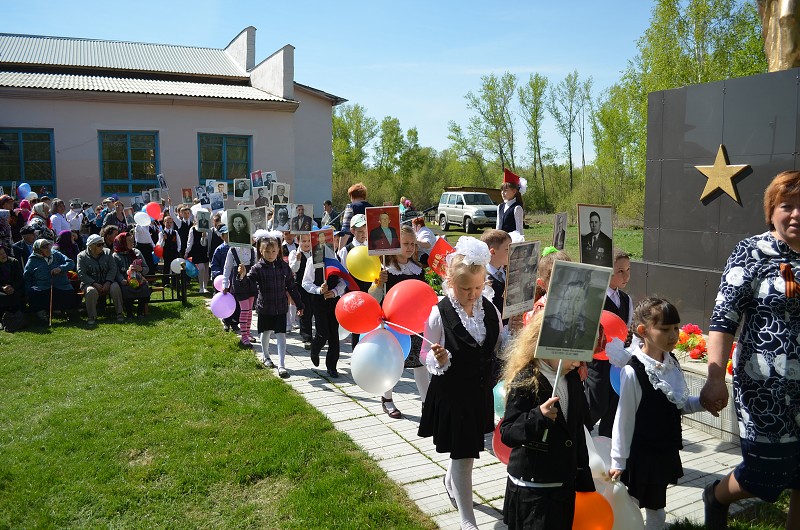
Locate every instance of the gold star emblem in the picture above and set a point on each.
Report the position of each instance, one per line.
(720, 176)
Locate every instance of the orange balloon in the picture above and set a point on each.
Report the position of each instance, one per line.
(592, 512)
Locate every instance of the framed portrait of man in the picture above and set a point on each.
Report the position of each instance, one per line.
(560, 230)
(186, 195)
(155, 195)
(162, 182)
(596, 236)
(239, 228)
(575, 301)
(523, 268)
(257, 178)
(269, 178)
(210, 185)
(280, 219)
(280, 193)
(129, 216)
(301, 220)
(137, 203)
(241, 189)
(320, 240)
(146, 196)
(258, 216)
(383, 227)
(261, 196)
(203, 220)
(217, 203)
(222, 187)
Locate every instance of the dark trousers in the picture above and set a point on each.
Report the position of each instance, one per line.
(601, 397)
(307, 317)
(147, 254)
(327, 329)
(233, 320)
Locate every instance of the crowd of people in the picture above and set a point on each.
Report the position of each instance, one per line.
(468, 348)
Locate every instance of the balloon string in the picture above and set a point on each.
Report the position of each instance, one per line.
(386, 322)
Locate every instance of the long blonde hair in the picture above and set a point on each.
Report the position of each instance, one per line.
(521, 353)
(391, 260)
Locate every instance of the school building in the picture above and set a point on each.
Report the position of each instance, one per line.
(91, 118)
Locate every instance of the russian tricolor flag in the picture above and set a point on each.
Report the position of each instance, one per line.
(333, 267)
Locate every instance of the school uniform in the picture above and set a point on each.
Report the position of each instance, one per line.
(497, 277)
(327, 327)
(362, 285)
(510, 217)
(297, 262)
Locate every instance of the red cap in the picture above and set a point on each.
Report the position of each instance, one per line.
(510, 177)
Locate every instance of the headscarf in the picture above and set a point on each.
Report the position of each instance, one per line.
(66, 245)
(24, 210)
(121, 245)
(37, 249)
(7, 197)
(38, 209)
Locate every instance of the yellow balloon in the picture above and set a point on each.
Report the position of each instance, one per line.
(363, 266)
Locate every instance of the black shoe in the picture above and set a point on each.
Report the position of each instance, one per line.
(307, 345)
(716, 513)
(452, 499)
(315, 358)
(333, 373)
(283, 372)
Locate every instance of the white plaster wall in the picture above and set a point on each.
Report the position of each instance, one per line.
(75, 125)
(313, 149)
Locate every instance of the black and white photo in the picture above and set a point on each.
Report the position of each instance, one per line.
(239, 228)
(595, 227)
(523, 267)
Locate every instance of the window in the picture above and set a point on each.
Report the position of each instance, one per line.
(27, 155)
(128, 162)
(451, 201)
(223, 157)
(443, 198)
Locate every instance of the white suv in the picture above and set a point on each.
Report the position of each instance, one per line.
(469, 209)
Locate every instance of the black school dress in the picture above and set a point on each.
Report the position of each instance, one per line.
(459, 408)
(397, 275)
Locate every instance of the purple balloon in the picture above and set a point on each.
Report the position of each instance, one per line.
(223, 305)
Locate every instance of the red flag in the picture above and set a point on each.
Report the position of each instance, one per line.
(436, 258)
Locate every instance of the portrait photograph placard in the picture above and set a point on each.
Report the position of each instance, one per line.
(523, 268)
(572, 313)
(241, 190)
(239, 228)
(216, 202)
(280, 218)
(258, 216)
(256, 179)
(222, 188)
(146, 196)
(596, 236)
(269, 178)
(155, 195)
(383, 227)
(280, 193)
(319, 240)
(210, 186)
(560, 230)
(261, 196)
(203, 218)
(186, 195)
(162, 182)
(301, 219)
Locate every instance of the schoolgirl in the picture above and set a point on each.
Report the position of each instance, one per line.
(197, 250)
(169, 241)
(273, 279)
(646, 438)
(243, 292)
(297, 262)
(511, 213)
(458, 408)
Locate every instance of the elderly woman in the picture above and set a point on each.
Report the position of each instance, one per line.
(46, 279)
(11, 283)
(131, 269)
(97, 271)
(759, 291)
(39, 220)
(66, 244)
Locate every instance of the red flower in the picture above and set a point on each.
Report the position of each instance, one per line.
(692, 329)
(696, 353)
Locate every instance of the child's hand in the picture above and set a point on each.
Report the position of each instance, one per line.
(383, 277)
(614, 474)
(323, 288)
(549, 409)
(440, 353)
(241, 270)
(299, 312)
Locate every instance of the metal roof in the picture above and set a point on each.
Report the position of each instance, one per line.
(133, 86)
(117, 55)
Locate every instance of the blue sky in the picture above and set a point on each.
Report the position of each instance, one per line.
(411, 60)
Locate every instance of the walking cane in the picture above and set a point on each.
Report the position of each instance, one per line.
(52, 283)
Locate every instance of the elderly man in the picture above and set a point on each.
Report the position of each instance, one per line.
(596, 247)
(97, 271)
(301, 222)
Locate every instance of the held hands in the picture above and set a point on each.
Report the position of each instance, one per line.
(549, 409)
(242, 270)
(714, 396)
(614, 474)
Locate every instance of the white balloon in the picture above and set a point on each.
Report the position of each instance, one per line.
(377, 362)
(627, 516)
(343, 333)
(596, 463)
(177, 265)
(197, 207)
(141, 219)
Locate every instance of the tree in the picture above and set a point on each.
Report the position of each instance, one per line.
(353, 130)
(563, 103)
(532, 105)
(585, 109)
(389, 146)
(467, 148)
(493, 122)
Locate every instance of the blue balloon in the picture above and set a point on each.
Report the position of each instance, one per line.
(403, 340)
(156, 259)
(23, 190)
(191, 270)
(614, 375)
(499, 393)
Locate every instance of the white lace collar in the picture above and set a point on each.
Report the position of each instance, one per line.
(666, 377)
(409, 268)
(474, 324)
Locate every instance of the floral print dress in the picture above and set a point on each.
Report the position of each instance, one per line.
(766, 380)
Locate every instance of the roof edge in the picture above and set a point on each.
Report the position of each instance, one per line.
(336, 100)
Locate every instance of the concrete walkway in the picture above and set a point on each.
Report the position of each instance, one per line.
(412, 461)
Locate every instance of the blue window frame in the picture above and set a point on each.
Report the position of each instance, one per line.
(222, 157)
(28, 155)
(129, 161)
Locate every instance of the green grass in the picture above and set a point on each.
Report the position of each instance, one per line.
(540, 227)
(167, 424)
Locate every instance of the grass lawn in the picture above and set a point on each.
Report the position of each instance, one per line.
(541, 228)
(168, 424)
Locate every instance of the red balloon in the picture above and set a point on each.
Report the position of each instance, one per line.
(358, 312)
(592, 512)
(613, 328)
(153, 209)
(501, 450)
(159, 251)
(409, 304)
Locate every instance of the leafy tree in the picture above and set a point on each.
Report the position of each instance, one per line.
(532, 105)
(493, 123)
(564, 104)
(353, 130)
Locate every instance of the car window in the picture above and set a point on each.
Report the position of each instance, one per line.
(452, 200)
(443, 200)
(478, 199)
